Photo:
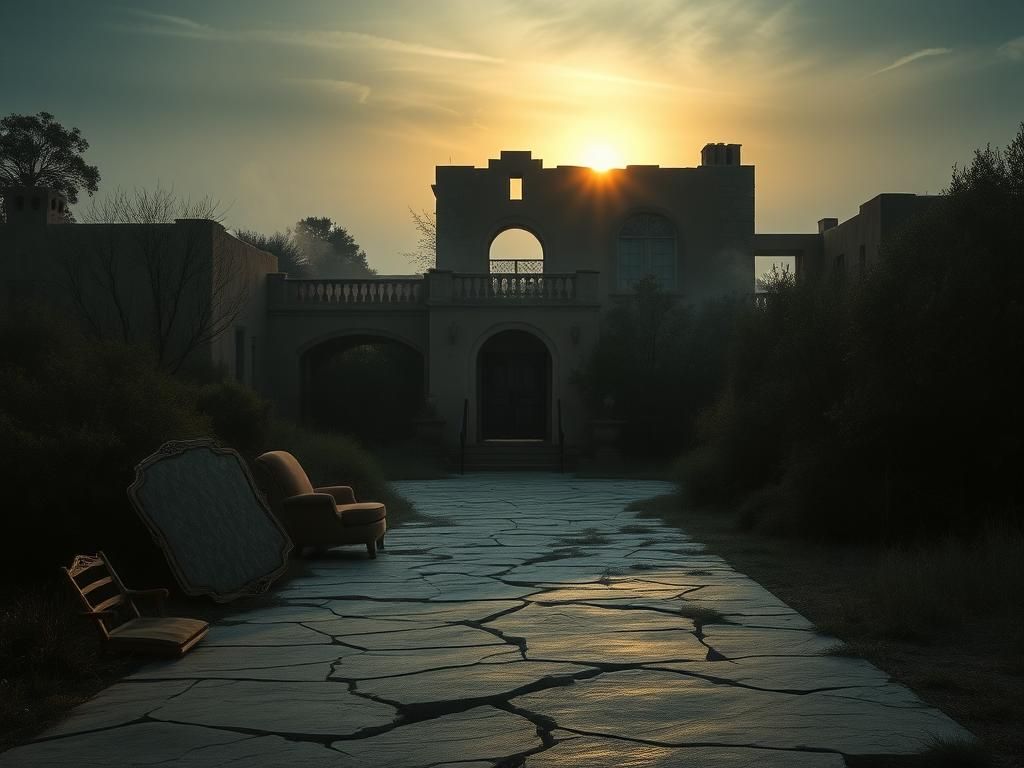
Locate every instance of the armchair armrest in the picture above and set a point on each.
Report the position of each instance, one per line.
(310, 518)
(343, 494)
(309, 502)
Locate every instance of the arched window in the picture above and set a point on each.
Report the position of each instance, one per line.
(516, 251)
(646, 246)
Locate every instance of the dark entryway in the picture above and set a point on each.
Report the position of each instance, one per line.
(514, 375)
(367, 387)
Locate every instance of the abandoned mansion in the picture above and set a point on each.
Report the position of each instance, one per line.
(498, 339)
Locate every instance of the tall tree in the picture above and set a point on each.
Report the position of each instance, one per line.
(36, 150)
(290, 258)
(329, 249)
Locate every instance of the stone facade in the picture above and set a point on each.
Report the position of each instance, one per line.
(105, 277)
(499, 350)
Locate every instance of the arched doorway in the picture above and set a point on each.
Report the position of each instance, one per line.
(514, 387)
(369, 387)
(515, 252)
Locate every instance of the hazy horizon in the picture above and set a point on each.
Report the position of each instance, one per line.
(343, 110)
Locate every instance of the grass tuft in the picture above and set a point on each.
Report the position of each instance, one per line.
(702, 616)
(588, 537)
(50, 660)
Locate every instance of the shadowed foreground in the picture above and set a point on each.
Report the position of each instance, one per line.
(536, 618)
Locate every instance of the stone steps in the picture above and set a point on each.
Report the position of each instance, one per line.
(512, 456)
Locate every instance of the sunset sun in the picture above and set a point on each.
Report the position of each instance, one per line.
(602, 157)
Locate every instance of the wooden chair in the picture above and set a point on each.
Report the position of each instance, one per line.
(112, 606)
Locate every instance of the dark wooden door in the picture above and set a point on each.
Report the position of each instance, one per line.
(514, 375)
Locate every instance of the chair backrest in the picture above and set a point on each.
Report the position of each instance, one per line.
(99, 588)
(280, 476)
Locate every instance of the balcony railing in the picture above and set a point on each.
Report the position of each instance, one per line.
(382, 290)
(516, 266)
(437, 287)
(514, 287)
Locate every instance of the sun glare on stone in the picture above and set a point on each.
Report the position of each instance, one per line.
(601, 157)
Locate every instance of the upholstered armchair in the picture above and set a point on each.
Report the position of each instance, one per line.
(323, 517)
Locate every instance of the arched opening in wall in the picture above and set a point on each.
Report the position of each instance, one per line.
(368, 387)
(646, 247)
(516, 252)
(514, 387)
(769, 270)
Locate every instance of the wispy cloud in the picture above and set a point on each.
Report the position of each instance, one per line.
(360, 92)
(178, 26)
(922, 54)
(1013, 50)
(603, 77)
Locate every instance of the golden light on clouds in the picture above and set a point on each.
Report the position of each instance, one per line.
(345, 109)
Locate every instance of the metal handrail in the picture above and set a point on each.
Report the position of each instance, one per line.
(561, 440)
(462, 437)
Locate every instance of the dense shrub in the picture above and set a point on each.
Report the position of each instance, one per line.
(238, 416)
(76, 416)
(370, 391)
(889, 408)
(333, 459)
(657, 364)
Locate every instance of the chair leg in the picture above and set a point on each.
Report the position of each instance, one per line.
(371, 549)
(380, 543)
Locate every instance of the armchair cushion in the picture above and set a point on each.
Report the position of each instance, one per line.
(361, 514)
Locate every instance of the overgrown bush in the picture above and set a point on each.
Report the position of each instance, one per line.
(657, 364)
(333, 459)
(77, 415)
(238, 416)
(888, 408)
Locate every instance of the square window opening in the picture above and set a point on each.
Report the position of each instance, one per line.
(515, 189)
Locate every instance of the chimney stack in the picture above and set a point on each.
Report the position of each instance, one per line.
(34, 205)
(720, 154)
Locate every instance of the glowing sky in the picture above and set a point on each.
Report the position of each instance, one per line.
(289, 109)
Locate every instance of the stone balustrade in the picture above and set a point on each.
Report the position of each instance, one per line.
(547, 287)
(437, 287)
(383, 290)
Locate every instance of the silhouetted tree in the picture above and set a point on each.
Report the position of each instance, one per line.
(655, 365)
(290, 258)
(329, 249)
(189, 300)
(36, 150)
(424, 257)
(889, 407)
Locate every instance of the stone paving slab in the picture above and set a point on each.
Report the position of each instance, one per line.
(879, 720)
(540, 625)
(575, 751)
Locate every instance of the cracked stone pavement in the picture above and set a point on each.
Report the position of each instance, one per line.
(533, 622)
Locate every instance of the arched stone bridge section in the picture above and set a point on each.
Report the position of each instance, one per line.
(447, 318)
